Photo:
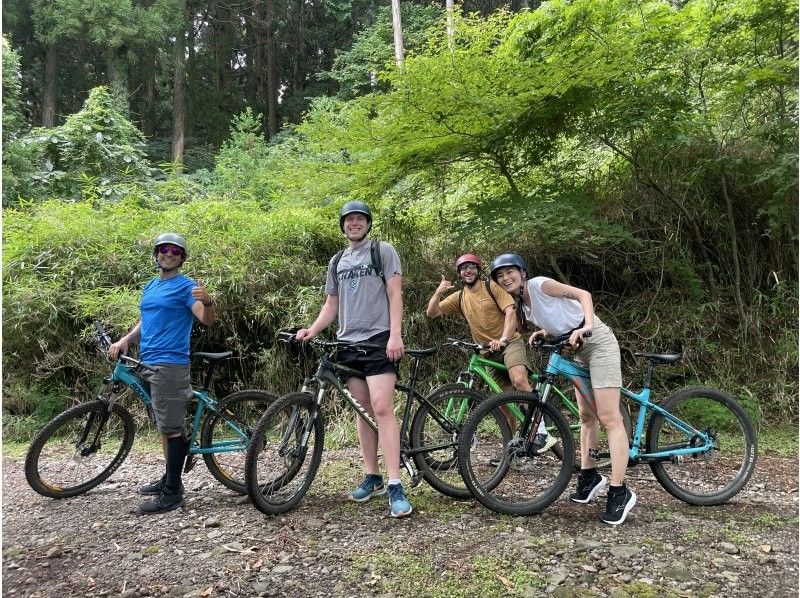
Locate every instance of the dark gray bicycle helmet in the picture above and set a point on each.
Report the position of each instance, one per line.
(355, 207)
(171, 239)
(505, 260)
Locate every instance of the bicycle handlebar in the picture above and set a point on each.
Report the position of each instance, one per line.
(461, 344)
(554, 342)
(105, 342)
(290, 337)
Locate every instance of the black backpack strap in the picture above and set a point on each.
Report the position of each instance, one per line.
(335, 265)
(377, 262)
(489, 290)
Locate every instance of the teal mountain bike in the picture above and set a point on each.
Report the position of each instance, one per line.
(81, 447)
(480, 368)
(699, 442)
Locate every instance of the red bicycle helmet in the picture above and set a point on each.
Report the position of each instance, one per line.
(468, 258)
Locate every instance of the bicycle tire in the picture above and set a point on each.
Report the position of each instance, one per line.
(243, 408)
(278, 470)
(440, 467)
(522, 487)
(604, 460)
(68, 458)
(709, 478)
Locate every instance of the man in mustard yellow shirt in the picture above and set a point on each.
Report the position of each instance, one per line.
(491, 315)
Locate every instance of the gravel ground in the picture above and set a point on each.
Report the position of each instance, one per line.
(219, 545)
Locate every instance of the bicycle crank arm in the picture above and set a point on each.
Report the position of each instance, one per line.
(415, 476)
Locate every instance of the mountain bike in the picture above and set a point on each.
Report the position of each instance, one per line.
(81, 447)
(287, 444)
(480, 368)
(699, 442)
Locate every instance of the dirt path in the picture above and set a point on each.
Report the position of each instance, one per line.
(219, 545)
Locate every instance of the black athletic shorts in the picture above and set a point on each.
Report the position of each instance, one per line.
(371, 361)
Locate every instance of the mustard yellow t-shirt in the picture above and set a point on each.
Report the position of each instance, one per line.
(485, 320)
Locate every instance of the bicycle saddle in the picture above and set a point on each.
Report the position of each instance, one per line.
(212, 356)
(661, 357)
(421, 352)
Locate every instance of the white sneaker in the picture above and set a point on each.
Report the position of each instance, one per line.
(543, 443)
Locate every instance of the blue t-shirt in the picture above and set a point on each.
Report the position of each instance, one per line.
(167, 318)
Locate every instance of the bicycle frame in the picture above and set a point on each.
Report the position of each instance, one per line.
(126, 375)
(558, 365)
(477, 367)
(328, 376)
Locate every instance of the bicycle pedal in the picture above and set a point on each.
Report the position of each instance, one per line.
(189, 464)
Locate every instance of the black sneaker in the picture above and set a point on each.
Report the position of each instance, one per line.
(166, 501)
(588, 487)
(155, 488)
(620, 502)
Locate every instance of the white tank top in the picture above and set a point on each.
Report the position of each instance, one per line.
(554, 315)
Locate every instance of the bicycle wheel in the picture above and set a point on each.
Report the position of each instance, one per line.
(558, 402)
(711, 477)
(279, 468)
(434, 431)
(503, 473)
(229, 430)
(79, 449)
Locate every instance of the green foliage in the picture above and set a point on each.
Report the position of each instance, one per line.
(97, 152)
(590, 137)
(240, 171)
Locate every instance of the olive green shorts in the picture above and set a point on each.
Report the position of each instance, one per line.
(515, 353)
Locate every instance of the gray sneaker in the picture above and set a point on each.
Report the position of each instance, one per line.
(156, 488)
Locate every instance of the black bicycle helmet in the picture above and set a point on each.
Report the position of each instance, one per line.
(355, 207)
(508, 259)
(172, 239)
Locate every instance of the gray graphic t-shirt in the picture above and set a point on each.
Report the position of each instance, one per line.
(363, 303)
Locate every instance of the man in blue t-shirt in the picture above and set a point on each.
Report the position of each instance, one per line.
(170, 302)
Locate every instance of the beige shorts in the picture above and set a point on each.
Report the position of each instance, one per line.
(515, 353)
(601, 352)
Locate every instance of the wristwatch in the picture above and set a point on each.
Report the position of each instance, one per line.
(504, 340)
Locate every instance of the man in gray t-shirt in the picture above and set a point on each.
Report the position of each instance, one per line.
(367, 299)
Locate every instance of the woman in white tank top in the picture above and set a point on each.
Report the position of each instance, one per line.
(557, 309)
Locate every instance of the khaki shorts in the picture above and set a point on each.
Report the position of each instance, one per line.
(601, 352)
(171, 390)
(515, 353)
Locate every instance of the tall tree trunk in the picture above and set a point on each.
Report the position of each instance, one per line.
(149, 107)
(450, 9)
(179, 96)
(50, 93)
(272, 74)
(116, 73)
(222, 64)
(251, 65)
(397, 27)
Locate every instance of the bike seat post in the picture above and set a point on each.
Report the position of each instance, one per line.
(415, 373)
(648, 379)
(209, 374)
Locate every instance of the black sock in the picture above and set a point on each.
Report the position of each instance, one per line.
(177, 448)
(588, 473)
